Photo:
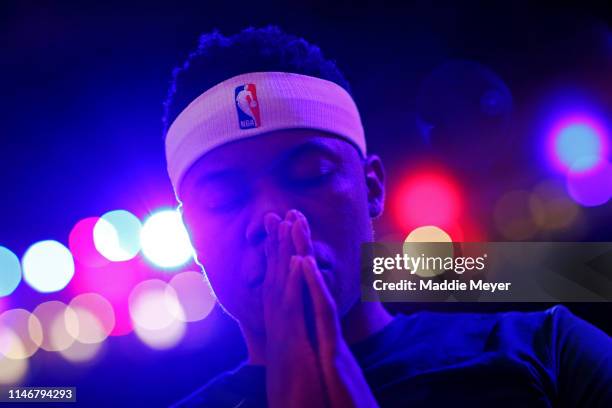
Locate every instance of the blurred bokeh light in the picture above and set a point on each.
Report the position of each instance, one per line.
(157, 314)
(592, 187)
(48, 266)
(117, 235)
(114, 282)
(427, 198)
(26, 334)
(578, 142)
(417, 244)
(165, 241)
(56, 318)
(81, 244)
(96, 318)
(513, 218)
(428, 233)
(12, 370)
(194, 294)
(551, 207)
(10, 271)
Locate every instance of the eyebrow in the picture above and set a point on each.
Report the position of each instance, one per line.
(311, 146)
(217, 176)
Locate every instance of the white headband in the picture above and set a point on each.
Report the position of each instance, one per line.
(251, 104)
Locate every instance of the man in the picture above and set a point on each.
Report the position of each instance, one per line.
(267, 154)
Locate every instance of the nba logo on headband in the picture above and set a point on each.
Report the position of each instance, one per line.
(247, 106)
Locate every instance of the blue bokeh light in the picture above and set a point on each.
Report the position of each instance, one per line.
(579, 146)
(10, 271)
(577, 142)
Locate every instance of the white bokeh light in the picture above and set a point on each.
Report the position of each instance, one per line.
(95, 318)
(419, 242)
(47, 266)
(12, 370)
(165, 241)
(428, 233)
(194, 293)
(24, 327)
(117, 235)
(56, 319)
(157, 314)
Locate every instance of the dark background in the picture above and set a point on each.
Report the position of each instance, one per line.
(82, 89)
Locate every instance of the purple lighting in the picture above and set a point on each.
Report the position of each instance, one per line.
(593, 187)
(577, 142)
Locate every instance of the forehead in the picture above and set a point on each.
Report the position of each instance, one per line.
(265, 150)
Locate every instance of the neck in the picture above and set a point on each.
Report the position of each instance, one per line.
(360, 322)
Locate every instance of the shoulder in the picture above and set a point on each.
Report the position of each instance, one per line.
(479, 332)
(557, 325)
(582, 355)
(547, 335)
(466, 321)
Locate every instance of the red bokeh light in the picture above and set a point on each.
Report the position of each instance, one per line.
(114, 282)
(427, 197)
(81, 244)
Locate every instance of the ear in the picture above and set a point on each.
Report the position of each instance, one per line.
(375, 183)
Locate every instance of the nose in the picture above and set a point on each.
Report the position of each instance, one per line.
(266, 199)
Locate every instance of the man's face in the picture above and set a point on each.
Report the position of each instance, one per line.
(226, 194)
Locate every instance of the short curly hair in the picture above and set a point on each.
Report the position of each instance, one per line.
(218, 58)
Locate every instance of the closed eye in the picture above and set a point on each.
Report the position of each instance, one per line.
(310, 168)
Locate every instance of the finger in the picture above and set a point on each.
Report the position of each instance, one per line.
(271, 220)
(292, 301)
(293, 295)
(271, 224)
(292, 215)
(286, 317)
(285, 250)
(301, 236)
(327, 325)
(303, 322)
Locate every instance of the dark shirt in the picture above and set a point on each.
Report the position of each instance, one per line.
(513, 359)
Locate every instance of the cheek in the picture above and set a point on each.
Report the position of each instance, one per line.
(344, 213)
(345, 224)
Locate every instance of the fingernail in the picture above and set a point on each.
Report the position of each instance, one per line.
(292, 215)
